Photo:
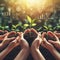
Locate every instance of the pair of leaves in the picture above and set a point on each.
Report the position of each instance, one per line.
(31, 21)
(26, 25)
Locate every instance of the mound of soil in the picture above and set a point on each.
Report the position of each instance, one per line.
(30, 37)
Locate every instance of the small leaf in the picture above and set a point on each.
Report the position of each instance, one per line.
(29, 19)
(46, 27)
(13, 26)
(33, 20)
(34, 24)
(26, 25)
(17, 25)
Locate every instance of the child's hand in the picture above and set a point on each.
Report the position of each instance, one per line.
(56, 43)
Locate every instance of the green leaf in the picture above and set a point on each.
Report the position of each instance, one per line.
(34, 24)
(29, 19)
(13, 26)
(46, 27)
(33, 20)
(26, 25)
(17, 25)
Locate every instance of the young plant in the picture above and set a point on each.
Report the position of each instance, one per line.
(30, 22)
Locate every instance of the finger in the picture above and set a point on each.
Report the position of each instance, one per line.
(12, 32)
(27, 31)
(21, 35)
(6, 35)
(50, 41)
(51, 34)
(57, 34)
(39, 34)
(5, 31)
(13, 38)
(33, 30)
(44, 43)
(1, 31)
(55, 31)
(18, 39)
(18, 33)
(43, 35)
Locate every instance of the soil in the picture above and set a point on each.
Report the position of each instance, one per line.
(50, 38)
(30, 37)
(13, 35)
(2, 33)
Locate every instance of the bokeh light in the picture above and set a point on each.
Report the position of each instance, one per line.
(32, 8)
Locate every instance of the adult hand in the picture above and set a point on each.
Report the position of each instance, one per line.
(45, 43)
(14, 43)
(3, 34)
(56, 43)
(57, 34)
(37, 55)
(36, 43)
(23, 54)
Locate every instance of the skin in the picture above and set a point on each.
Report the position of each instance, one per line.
(24, 49)
(9, 48)
(57, 34)
(2, 36)
(34, 49)
(56, 43)
(17, 41)
(37, 55)
(46, 44)
(6, 41)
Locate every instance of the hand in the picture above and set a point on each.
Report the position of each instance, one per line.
(23, 54)
(37, 55)
(24, 43)
(3, 34)
(57, 34)
(11, 34)
(36, 43)
(7, 40)
(14, 43)
(55, 43)
(45, 43)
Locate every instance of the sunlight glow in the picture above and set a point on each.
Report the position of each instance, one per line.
(31, 3)
(30, 7)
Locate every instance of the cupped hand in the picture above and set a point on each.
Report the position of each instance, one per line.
(57, 34)
(37, 42)
(24, 43)
(7, 40)
(45, 43)
(56, 43)
(14, 43)
(3, 34)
